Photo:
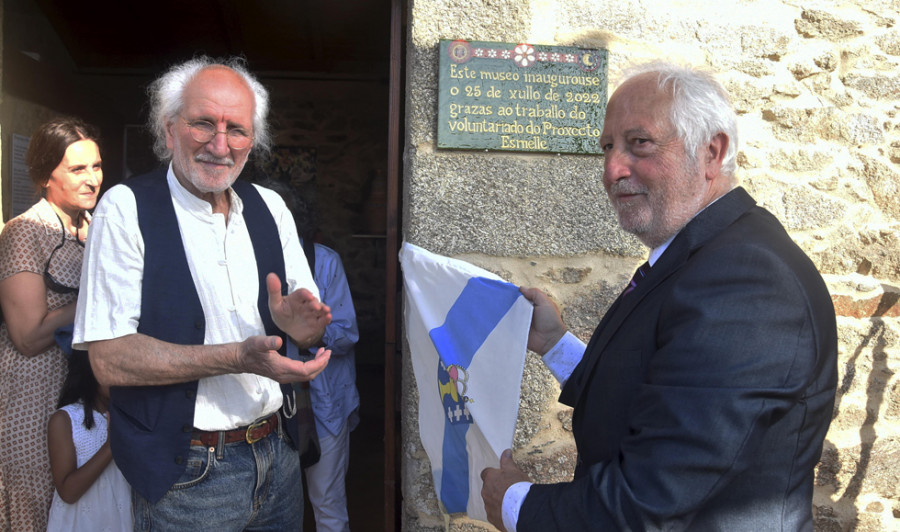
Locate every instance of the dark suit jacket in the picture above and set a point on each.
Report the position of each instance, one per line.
(704, 395)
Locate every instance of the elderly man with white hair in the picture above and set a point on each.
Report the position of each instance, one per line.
(193, 282)
(703, 398)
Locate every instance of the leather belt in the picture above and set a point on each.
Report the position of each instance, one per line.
(251, 433)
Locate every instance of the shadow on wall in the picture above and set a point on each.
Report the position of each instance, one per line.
(832, 462)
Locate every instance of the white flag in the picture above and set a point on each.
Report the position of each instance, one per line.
(467, 332)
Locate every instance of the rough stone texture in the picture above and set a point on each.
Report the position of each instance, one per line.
(884, 182)
(811, 125)
(566, 275)
(889, 43)
(884, 305)
(584, 310)
(539, 390)
(506, 205)
(870, 250)
(551, 461)
(801, 159)
(797, 206)
(816, 89)
(815, 23)
(880, 86)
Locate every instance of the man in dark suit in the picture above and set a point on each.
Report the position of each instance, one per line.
(704, 396)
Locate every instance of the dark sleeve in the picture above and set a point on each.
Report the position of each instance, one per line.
(734, 353)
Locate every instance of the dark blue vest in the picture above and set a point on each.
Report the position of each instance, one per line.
(151, 426)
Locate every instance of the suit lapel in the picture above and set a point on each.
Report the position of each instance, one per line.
(698, 231)
(621, 309)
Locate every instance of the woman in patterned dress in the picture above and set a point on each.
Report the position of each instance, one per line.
(40, 268)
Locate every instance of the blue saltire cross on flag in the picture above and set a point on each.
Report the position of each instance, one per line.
(467, 332)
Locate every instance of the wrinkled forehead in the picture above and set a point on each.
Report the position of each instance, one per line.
(219, 87)
(639, 103)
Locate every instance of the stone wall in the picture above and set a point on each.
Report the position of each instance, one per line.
(817, 89)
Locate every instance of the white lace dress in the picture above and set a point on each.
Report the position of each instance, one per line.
(106, 505)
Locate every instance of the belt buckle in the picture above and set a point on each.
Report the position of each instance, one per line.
(250, 439)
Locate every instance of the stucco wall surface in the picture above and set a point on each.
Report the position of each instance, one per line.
(817, 88)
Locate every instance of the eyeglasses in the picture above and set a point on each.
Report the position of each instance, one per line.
(51, 281)
(203, 131)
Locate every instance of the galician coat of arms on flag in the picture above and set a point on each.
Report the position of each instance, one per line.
(467, 332)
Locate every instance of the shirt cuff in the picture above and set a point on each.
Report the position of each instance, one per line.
(512, 503)
(562, 358)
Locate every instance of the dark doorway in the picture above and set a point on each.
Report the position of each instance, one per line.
(327, 66)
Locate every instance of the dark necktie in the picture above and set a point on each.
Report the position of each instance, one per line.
(639, 274)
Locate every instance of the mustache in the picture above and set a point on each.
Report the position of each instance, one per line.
(625, 187)
(207, 158)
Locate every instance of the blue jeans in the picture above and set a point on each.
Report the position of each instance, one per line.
(236, 486)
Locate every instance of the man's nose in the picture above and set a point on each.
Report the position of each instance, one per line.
(616, 166)
(218, 145)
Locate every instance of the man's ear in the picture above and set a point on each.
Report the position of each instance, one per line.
(169, 135)
(715, 154)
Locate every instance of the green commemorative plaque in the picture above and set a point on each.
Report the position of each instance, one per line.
(521, 97)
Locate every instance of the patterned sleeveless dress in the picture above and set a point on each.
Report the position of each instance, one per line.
(29, 386)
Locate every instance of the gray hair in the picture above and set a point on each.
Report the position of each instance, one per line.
(167, 100)
(701, 109)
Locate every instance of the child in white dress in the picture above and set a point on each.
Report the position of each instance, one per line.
(91, 493)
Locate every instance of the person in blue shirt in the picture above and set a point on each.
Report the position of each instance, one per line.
(335, 399)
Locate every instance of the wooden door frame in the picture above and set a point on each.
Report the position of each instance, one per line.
(392, 356)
